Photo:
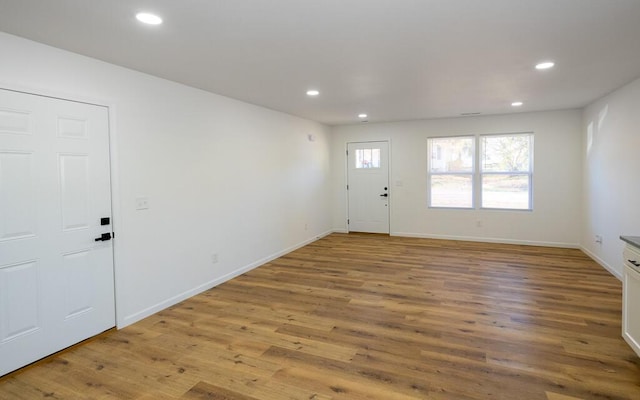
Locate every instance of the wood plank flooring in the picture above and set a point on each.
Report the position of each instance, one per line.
(369, 317)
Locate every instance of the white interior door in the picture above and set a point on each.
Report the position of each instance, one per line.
(56, 281)
(368, 186)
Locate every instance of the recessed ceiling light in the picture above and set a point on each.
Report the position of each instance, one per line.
(312, 92)
(517, 104)
(545, 65)
(362, 115)
(148, 18)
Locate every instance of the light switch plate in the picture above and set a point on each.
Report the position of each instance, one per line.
(142, 203)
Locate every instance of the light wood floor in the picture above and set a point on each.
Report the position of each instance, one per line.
(368, 316)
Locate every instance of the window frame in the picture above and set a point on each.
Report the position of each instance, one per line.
(477, 174)
(471, 174)
(481, 174)
(372, 151)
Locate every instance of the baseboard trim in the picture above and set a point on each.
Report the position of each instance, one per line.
(487, 240)
(140, 315)
(602, 263)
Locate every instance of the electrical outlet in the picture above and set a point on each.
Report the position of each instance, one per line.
(479, 223)
(599, 239)
(306, 227)
(214, 258)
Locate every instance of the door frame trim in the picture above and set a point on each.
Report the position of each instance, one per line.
(346, 177)
(114, 178)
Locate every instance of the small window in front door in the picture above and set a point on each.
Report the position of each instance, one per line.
(368, 158)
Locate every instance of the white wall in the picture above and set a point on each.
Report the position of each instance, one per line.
(221, 176)
(611, 157)
(555, 219)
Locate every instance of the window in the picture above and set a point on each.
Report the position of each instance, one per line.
(497, 173)
(451, 170)
(506, 171)
(368, 158)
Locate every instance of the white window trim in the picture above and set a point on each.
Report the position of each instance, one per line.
(480, 174)
(473, 173)
(476, 174)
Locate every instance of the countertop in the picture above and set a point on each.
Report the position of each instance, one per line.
(633, 240)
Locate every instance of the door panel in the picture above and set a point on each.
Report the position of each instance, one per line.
(78, 283)
(368, 180)
(72, 128)
(19, 302)
(17, 198)
(56, 282)
(15, 121)
(74, 190)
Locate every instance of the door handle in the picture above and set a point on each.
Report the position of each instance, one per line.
(384, 195)
(104, 237)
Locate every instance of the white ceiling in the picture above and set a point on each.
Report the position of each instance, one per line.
(393, 59)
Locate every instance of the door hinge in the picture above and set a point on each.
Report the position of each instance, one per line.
(347, 187)
(347, 152)
(348, 222)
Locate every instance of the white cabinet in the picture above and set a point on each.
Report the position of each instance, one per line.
(631, 297)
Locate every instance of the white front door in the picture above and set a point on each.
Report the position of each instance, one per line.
(56, 280)
(368, 186)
